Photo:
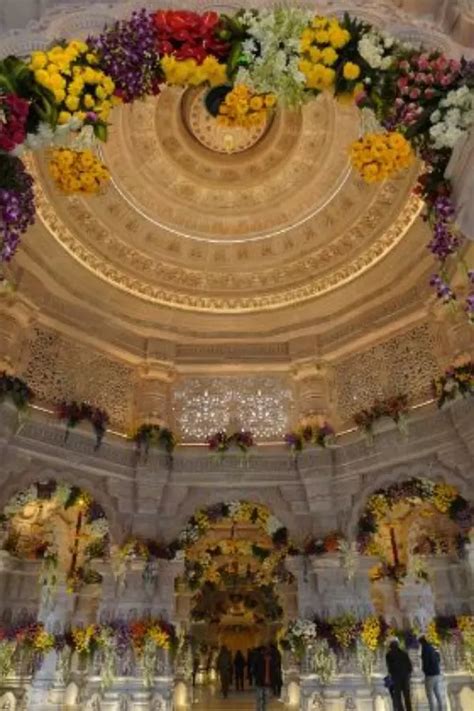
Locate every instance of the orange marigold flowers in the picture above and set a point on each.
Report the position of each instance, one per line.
(378, 156)
(77, 171)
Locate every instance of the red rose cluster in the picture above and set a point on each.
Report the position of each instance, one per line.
(188, 35)
(13, 115)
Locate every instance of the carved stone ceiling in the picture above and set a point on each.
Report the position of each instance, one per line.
(216, 233)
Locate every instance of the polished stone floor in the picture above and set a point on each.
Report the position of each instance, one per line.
(209, 698)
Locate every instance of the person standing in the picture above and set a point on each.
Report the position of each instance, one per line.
(224, 668)
(276, 673)
(262, 664)
(239, 670)
(400, 668)
(250, 660)
(430, 661)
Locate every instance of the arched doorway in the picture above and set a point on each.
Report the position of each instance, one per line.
(238, 590)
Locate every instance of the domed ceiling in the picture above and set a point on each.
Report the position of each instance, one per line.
(218, 234)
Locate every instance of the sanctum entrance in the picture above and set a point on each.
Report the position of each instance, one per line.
(235, 590)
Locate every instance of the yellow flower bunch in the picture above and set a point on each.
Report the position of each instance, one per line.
(43, 641)
(443, 496)
(344, 628)
(70, 73)
(378, 505)
(466, 625)
(213, 575)
(188, 72)
(432, 635)
(241, 107)
(318, 48)
(159, 637)
(77, 171)
(82, 637)
(202, 521)
(370, 632)
(379, 155)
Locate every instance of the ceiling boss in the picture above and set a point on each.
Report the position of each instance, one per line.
(246, 67)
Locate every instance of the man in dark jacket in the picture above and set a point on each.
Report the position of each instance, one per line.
(399, 667)
(262, 665)
(430, 661)
(239, 668)
(275, 671)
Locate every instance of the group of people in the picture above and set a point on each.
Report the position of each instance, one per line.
(400, 668)
(263, 667)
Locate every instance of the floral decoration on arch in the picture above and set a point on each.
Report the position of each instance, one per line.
(396, 408)
(423, 100)
(444, 497)
(456, 382)
(312, 432)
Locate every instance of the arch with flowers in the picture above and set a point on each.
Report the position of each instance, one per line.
(59, 524)
(411, 519)
(225, 557)
(258, 60)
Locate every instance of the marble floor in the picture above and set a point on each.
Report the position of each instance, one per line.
(208, 698)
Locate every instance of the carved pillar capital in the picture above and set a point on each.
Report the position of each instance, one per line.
(312, 381)
(152, 394)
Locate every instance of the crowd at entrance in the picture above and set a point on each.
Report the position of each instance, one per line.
(260, 670)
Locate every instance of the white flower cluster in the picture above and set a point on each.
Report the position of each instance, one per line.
(272, 525)
(47, 137)
(99, 527)
(273, 53)
(324, 661)
(304, 630)
(62, 493)
(453, 118)
(375, 47)
(21, 499)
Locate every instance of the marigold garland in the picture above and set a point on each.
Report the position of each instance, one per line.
(378, 156)
(241, 107)
(77, 171)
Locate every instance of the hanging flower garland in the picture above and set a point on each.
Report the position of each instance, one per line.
(444, 497)
(423, 99)
(308, 434)
(148, 435)
(221, 442)
(456, 382)
(396, 408)
(76, 412)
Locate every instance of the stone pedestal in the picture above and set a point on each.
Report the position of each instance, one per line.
(342, 589)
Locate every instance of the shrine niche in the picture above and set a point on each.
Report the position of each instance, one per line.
(406, 526)
(60, 525)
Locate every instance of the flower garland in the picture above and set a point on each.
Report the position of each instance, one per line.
(236, 511)
(220, 442)
(444, 497)
(289, 53)
(320, 546)
(74, 413)
(456, 382)
(396, 408)
(148, 435)
(16, 390)
(310, 434)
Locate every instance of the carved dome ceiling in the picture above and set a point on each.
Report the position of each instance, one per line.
(211, 233)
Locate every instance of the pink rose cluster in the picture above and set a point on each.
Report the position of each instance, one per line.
(423, 77)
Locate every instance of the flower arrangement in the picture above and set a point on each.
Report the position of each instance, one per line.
(418, 96)
(457, 381)
(241, 107)
(299, 635)
(378, 156)
(77, 171)
(74, 413)
(16, 390)
(148, 435)
(443, 497)
(396, 408)
(17, 207)
(13, 116)
(80, 87)
(221, 442)
(320, 546)
(310, 433)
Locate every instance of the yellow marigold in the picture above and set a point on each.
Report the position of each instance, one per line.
(77, 171)
(432, 634)
(351, 71)
(38, 60)
(443, 496)
(376, 157)
(243, 108)
(371, 632)
(159, 637)
(329, 56)
(43, 641)
(338, 37)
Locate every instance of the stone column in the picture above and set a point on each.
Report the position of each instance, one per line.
(307, 594)
(313, 390)
(152, 396)
(49, 683)
(343, 588)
